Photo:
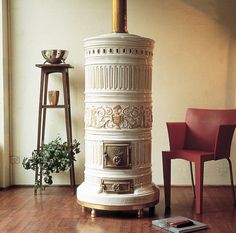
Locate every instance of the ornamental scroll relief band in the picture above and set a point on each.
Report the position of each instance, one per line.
(118, 117)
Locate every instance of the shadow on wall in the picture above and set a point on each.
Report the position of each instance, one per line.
(221, 11)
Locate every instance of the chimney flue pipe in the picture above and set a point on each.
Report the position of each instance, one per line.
(119, 16)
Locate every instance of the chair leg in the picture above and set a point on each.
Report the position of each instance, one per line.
(167, 179)
(192, 179)
(199, 173)
(231, 179)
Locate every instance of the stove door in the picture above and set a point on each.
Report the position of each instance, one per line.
(117, 155)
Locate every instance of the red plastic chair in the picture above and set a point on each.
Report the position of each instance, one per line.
(205, 135)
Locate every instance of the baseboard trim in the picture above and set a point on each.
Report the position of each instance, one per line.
(31, 186)
(67, 185)
(190, 186)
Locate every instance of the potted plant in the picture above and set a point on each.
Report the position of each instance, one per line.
(53, 157)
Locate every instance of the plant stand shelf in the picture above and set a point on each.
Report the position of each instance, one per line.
(46, 70)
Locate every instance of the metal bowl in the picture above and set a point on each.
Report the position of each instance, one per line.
(55, 56)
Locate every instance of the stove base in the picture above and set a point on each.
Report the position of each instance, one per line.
(148, 198)
(138, 208)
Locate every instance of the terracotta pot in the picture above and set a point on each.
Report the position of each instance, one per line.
(53, 97)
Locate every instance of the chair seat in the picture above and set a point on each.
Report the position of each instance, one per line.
(190, 155)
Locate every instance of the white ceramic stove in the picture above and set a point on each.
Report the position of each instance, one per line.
(118, 123)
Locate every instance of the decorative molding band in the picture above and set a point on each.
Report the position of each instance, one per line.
(118, 50)
(118, 117)
(119, 77)
(126, 135)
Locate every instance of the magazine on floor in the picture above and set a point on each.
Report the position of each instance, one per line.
(178, 224)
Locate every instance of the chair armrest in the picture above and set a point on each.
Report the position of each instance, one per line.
(223, 141)
(176, 132)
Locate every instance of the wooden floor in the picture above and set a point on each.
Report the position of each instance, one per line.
(57, 211)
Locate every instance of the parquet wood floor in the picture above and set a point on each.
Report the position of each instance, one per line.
(57, 211)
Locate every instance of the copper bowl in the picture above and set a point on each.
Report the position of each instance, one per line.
(55, 56)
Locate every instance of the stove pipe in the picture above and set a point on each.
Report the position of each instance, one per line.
(119, 16)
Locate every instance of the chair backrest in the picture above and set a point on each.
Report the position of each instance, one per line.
(203, 126)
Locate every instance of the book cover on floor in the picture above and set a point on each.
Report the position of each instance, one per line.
(178, 224)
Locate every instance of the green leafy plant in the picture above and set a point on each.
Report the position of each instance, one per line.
(53, 157)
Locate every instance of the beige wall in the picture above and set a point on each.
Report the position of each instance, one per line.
(192, 68)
